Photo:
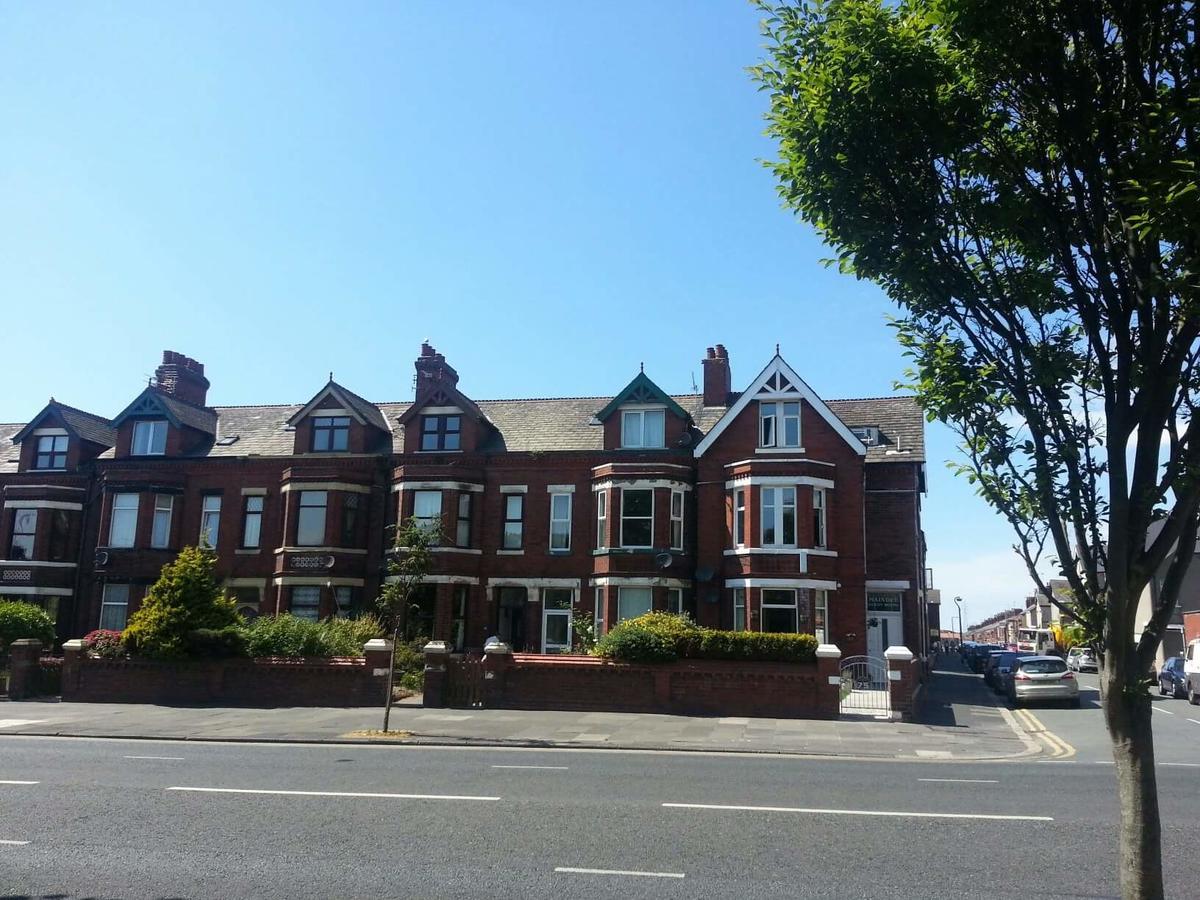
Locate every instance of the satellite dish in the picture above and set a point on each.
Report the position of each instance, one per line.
(663, 560)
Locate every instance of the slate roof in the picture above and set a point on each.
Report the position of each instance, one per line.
(199, 417)
(88, 426)
(530, 425)
(899, 419)
(10, 453)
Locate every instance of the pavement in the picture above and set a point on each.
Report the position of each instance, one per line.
(168, 819)
(961, 721)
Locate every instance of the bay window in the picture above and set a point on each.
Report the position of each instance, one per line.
(821, 616)
(778, 517)
(349, 520)
(427, 511)
(601, 520)
(114, 607)
(779, 611)
(122, 530)
(24, 531)
(306, 602)
(819, 517)
(462, 531)
(739, 609)
(310, 524)
(160, 532)
(637, 518)
(739, 518)
(676, 520)
(633, 602)
(643, 428)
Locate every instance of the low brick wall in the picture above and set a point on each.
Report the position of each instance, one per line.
(226, 682)
(686, 687)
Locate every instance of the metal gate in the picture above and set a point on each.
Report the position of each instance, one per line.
(864, 686)
(464, 682)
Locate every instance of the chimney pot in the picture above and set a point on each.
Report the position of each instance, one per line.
(717, 377)
(710, 353)
(182, 377)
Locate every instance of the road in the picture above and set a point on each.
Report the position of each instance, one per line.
(127, 818)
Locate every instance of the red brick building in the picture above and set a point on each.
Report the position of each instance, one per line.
(766, 509)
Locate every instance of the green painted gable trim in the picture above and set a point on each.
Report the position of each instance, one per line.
(642, 390)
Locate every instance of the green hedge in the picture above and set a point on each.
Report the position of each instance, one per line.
(292, 638)
(20, 620)
(663, 637)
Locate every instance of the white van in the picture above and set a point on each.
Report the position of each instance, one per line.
(1191, 670)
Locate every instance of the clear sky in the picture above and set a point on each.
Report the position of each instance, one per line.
(551, 193)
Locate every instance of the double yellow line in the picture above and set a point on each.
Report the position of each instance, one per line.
(1059, 749)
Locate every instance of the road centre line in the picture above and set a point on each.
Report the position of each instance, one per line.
(20, 782)
(1161, 710)
(578, 871)
(1184, 765)
(861, 812)
(212, 790)
(963, 780)
(1194, 721)
(557, 768)
(179, 758)
(14, 843)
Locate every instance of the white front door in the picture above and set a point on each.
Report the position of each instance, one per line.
(883, 630)
(556, 620)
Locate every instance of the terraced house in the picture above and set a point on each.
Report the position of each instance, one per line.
(767, 509)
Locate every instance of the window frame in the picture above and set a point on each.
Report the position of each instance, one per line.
(462, 530)
(431, 522)
(306, 531)
(557, 612)
(51, 454)
(210, 520)
(252, 515)
(627, 416)
(601, 520)
(58, 547)
(156, 437)
(105, 603)
(676, 519)
(334, 429)
(512, 535)
(820, 519)
(599, 611)
(779, 516)
(28, 538)
(161, 541)
(309, 590)
(783, 416)
(563, 534)
(739, 609)
(129, 518)
(621, 591)
(348, 526)
(441, 433)
(821, 616)
(739, 517)
(625, 492)
(675, 601)
(793, 606)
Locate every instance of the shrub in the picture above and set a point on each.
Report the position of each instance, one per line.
(24, 620)
(683, 633)
(292, 638)
(217, 643)
(48, 680)
(410, 664)
(633, 644)
(185, 598)
(104, 644)
(345, 637)
(755, 645)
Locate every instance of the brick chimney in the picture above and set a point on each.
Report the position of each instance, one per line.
(433, 373)
(718, 380)
(182, 377)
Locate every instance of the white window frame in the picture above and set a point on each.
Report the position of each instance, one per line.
(123, 511)
(820, 519)
(621, 592)
(149, 437)
(307, 532)
(676, 520)
(210, 520)
(560, 541)
(599, 618)
(549, 613)
(343, 600)
(675, 601)
(309, 590)
(429, 520)
(512, 537)
(778, 505)
(160, 531)
(624, 493)
(106, 602)
(739, 609)
(601, 520)
(633, 436)
(739, 517)
(252, 515)
(782, 415)
(794, 606)
(821, 616)
(462, 524)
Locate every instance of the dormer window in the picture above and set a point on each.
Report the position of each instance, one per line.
(441, 432)
(149, 437)
(779, 424)
(869, 435)
(331, 434)
(51, 452)
(643, 429)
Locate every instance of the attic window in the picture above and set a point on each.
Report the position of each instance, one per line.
(227, 441)
(643, 428)
(331, 433)
(869, 435)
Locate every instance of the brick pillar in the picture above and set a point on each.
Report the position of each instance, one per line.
(22, 667)
(437, 653)
(497, 660)
(377, 654)
(902, 680)
(829, 682)
(72, 668)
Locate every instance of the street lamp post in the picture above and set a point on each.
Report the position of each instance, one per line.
(958, 601)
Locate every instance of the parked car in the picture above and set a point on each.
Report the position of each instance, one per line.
(1082, 659)
(1042, 678)
(1004, 667)
(1172, 680)
(1191, 670)
(989, 667)
(980, 656)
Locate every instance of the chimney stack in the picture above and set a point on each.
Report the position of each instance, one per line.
(182, 377)
(433, 372)
(718, 380)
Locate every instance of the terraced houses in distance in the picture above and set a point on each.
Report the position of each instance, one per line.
(766, 509)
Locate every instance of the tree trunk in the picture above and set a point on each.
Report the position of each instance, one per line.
(387, 705)
(1127, 713)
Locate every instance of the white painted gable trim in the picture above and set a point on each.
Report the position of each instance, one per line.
(314, 405)
(777, 365)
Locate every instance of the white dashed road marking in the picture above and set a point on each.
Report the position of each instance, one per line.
(177, 758)
(962, 780)
(861, 812)
(211, 790)
(20, 782)
(14, 843)
(557, 768)
(633, 872)
(17, 723)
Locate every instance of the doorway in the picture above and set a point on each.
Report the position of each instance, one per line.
(510, 624)
(885, 621)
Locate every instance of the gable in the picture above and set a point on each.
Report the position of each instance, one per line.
(642, 391)
(153, 403)
(333, 394)
(444, 396)
(779, 381)
(81, 425)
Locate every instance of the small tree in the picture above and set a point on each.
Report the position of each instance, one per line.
(185, 598)
(20, 620)
(409, 565)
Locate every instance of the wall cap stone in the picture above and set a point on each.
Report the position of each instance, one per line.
(377, 644)
(828, 651)
(497, 648)
(898, 654)
(73, 644)
(437, 647)
(26, 642)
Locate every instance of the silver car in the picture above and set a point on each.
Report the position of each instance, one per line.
(1042, 678)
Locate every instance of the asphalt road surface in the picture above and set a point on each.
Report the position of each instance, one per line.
(127, 818)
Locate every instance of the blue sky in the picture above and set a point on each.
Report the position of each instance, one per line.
(551, 193)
